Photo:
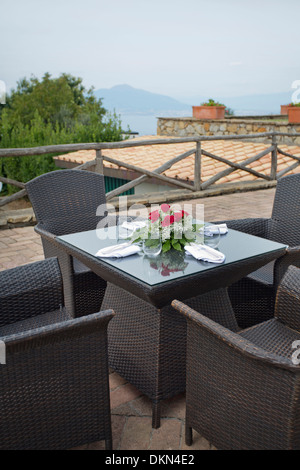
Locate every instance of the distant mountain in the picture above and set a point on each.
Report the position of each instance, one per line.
(125, 99)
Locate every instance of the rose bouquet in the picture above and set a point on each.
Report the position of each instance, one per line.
(175, 228)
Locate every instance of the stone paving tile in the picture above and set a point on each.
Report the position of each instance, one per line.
(19, 246)
(123, 394)
(131, 411)
(168, 436)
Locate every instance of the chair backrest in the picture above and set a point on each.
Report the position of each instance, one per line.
(287, 307)
(285, 223)
(66, 201)
(30, 290)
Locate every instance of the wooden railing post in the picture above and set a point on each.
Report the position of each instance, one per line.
(273, 174)
(197, 167)
(99, 163)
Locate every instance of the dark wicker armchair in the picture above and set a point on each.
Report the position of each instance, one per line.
(66, 202)
(54, 391)
(257, 291)
(243, 388)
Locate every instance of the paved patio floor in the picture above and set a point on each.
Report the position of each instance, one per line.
(131, 411)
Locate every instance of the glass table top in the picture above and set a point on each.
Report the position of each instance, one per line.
(171, 265)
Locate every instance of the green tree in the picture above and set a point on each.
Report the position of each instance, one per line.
(63, 100)
(51, 111)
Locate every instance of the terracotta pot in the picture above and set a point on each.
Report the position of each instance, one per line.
(209, 112)
(284, 109)
(294, 114)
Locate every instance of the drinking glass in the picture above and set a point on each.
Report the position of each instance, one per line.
(210, 235)
(152, 246)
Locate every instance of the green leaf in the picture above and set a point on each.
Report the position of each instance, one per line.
(136, 240)
(197, 227)
(151, 242)
(166, 246)
(177, 246)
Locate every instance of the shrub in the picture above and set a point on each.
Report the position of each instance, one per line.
(50, 112)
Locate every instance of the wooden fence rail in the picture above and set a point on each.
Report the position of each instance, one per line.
(97, 165)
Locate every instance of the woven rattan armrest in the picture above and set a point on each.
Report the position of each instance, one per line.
(233, 340)
(53, 248)
(44, 233)
(58, 332)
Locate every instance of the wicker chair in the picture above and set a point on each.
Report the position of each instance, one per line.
(243, 388)
(66, 202)
(256, 293)
(54, 391)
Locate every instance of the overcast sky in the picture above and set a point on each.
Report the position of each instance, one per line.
(175, 47)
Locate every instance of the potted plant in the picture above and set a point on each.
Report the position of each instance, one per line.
(210, 109)
(284, 109)
(294, 113)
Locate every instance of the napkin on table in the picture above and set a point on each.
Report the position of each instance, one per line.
(205, 253)
(118, 251)
(210, 230)
(133, 225)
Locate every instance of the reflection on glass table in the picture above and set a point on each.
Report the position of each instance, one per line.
(166, 264)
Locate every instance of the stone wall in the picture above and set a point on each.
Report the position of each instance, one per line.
(189, 127)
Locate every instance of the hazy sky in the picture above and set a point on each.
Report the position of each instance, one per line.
(175, 47)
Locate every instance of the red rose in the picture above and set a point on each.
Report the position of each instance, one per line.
(154, 216)
(178, 216)
(165, 207)
(168, 220)
(165, 272)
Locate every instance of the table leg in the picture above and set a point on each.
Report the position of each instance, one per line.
(156, 410)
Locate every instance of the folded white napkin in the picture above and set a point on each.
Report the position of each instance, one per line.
(205, 253)
(118, 251)
(133, 225)
(211, 230)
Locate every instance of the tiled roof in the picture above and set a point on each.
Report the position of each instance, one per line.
(153, 156)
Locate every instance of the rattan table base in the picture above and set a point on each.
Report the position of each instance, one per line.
(147, 346)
